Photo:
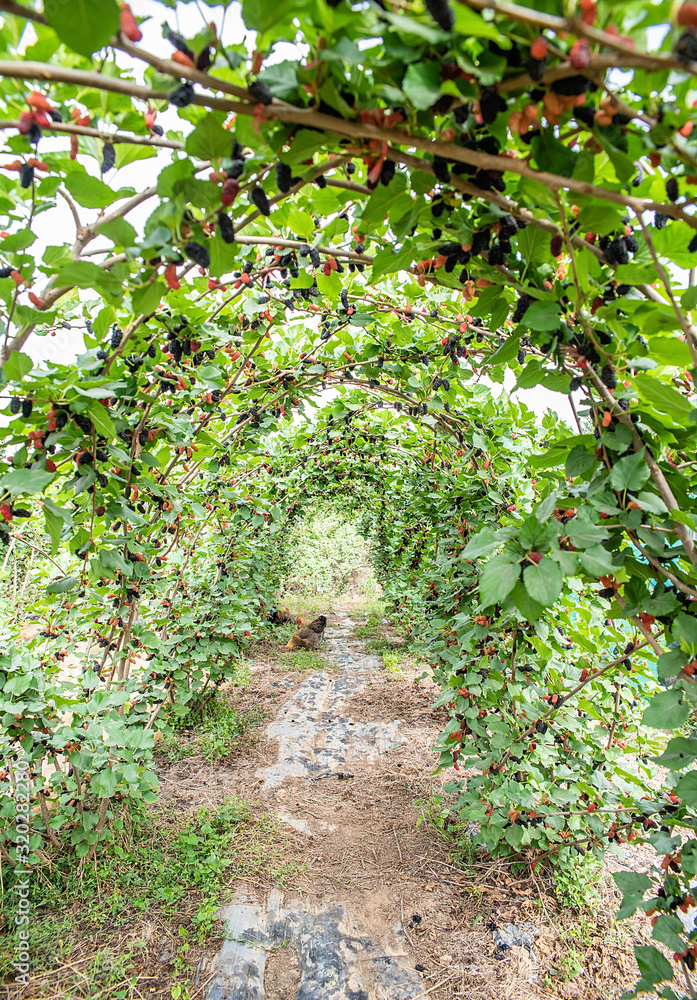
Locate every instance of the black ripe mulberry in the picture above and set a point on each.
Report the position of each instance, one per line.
(260, 200)
(686, 47)
(178, 41)
(508, 228)
(490, 105)
(521, 308)
(235, 169)
(197, 253)
(616, 253)
(387, 172)
(440, 169)
(15, 405)
(284, 177)
(26, 176)
(441, 13)
(521, 356)
(660, 220)
(541, 727)
(631, 243)
(344, 298)
(182, 96)
(260, 92)
(115, 339)
(496, 255)
(27, 407)
(83, 422)
(672, 189)
(315, 257)
(692, 245)
(608, 377)
(108, 157)
(226, 228)
(536, 68)
(575, 383)
(571, 86)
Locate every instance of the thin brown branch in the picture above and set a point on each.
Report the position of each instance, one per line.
(357, 130)
(123, 138)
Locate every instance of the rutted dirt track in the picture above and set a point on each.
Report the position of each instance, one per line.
(379, 910)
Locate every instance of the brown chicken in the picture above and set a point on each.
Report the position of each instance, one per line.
(309, 634)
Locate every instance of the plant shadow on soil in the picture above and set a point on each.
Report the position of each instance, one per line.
(142, 919)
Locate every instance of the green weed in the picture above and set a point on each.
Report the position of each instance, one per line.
(305, 660)
(437, 814)
(392, 662)
(169, 872)
(576, 878)
(219, 732)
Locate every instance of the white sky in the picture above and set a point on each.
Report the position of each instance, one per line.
(188, 19)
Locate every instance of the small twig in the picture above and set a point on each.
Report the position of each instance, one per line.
(404, 926)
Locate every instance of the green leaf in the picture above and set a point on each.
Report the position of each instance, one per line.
(113, 559)
(28, 481)
(666, 710)
(583, 533)
(670, 663)
(209, 140)
(669, 930)
(118, 231)
(544, 581)
(62, 585)
(88, 191)
(680, 753)
(99, 416)
(85, 274)
(147, 298)
(684, 628)
(580, 460)
(633, 882)
(56, 518)
(550, 154)
(597, 561)
(480, 544)
(686, 789)
(654, 968)
(629, 473)
(387, 261)
(497, 580)
(103, 783)
(528, 608)
(664, 397)
(17, 366)
(301, 223)
(422, 84)
(84, 25)
(541, 316)
(263, 15)
(473, 25)
(16, 242)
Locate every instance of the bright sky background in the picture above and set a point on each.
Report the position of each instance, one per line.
(188, 19)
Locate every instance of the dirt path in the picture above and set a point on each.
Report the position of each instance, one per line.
(379, 911)
(343, 937)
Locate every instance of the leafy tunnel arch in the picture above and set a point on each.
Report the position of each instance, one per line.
(428, 200)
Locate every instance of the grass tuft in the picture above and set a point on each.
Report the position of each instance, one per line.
(220, 731)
